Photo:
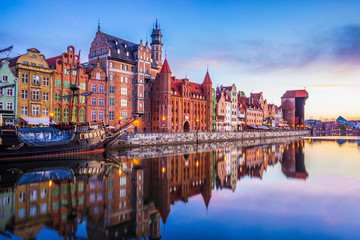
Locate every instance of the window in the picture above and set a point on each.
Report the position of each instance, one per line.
(122, 192)
(124, 115)
(110, 195)
(46, 81)
(101, 89)
(45, 112)
(82, 99)
(111, 77)
(98, 76)
(132, 93)
(9, 92)
(7, 200)
(123, 181)
(93, 115)
(126, 79)
(55, 205)
(43, 193)
(25, 63)
(124, 91)
(93, 88)
(43, 208)
(126, 67)
(33, 211)
(122, 67)
(95, 52)
(33, 195)
(5, 78)
(99, 197)
(82, 115)
(36, 80)
(111, 115)
(101, 115)
(33, 64)
(82, 86)
(1, 91)
(57, 97)
(74, 72)
(57, 83)
(93, 101)
(9, 106)
(22, 197)
(66, 115)
(66, 71)
(111, 101)
(123, 102)
(45, 96)
(121, 79)
(24, 111)
(66, 84)
(21, 212)
(24, 94)
(101, 102)
(111, 64)
(36, 94)
(92, 197)
(111, 89)
(36, 110)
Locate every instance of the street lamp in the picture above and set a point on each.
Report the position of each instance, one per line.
(163, 119)
(51, 117)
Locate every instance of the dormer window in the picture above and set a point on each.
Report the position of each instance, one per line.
(125, 44)
(33, 56)
(127, 53)
(116, 42)
(118, 51)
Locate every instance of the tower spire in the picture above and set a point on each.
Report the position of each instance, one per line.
(156, 24)
(99, 24)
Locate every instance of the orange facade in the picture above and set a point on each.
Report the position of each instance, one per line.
(65, 74)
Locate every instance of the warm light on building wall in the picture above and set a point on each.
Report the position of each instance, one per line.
(50, 183)
(120, 171)
(163, 169)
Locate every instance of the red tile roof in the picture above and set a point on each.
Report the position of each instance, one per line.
(207, 79)
(287, 105)
(165, 68)
(52, 61)
(255, 95)
(295, 93)
(12, 61)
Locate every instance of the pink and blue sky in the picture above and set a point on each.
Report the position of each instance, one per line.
(268, 46)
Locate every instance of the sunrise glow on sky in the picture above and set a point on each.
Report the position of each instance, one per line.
(268, 46)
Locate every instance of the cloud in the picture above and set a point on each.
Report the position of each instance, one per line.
(333, 47)
(350, 85)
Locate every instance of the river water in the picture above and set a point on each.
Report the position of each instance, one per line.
(284, 189)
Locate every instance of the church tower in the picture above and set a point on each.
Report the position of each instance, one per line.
(156, 45)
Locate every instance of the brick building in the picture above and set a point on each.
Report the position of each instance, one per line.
(130, 68)
(293, 107)
(63, 78)
(179, 105)
(100, 104)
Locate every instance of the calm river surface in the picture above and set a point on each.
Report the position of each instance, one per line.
(290, 189)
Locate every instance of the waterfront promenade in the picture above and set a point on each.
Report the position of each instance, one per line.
(146, 139)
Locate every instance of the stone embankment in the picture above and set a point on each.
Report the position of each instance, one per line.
(148, 139)
(151, 151)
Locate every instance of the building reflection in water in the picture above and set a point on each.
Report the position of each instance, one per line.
(125, 198)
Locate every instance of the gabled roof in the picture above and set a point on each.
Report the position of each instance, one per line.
(207, 79)
(341, 119)
(255, 95)
(12, 61)
(52, 61)
(123, 45)
(295, 93)
(165, 68)
(287, 105)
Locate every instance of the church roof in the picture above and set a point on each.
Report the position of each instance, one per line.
(207, 79)
(165, 68)
(341, 119)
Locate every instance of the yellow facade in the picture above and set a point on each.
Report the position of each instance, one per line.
(35, 89)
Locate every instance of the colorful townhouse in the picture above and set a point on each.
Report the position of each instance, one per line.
(179, 105)
(220, 110)
(233, 95)
(8, 95)
(213, 114)
(130, 69)
(35, 100)
(66, 73)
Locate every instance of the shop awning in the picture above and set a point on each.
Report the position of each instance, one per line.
(37, 121)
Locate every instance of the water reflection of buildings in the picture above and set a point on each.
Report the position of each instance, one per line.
(125, 198)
